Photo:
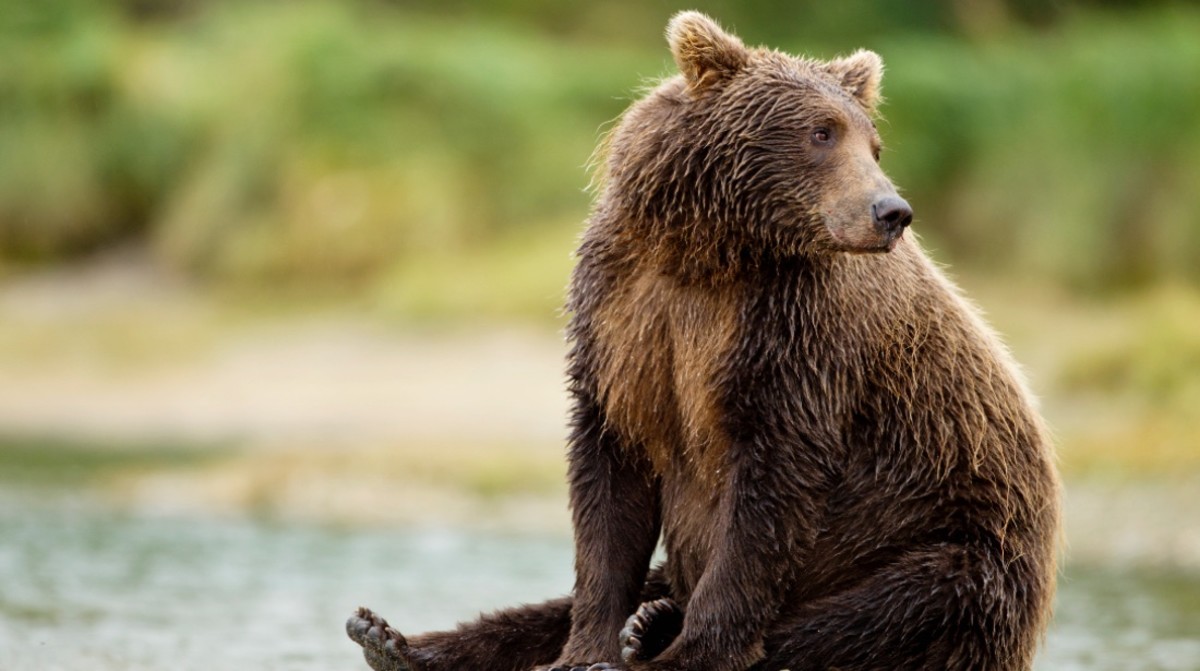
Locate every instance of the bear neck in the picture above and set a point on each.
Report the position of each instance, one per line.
(702, 252)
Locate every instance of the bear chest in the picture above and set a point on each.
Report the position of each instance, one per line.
(663, 348)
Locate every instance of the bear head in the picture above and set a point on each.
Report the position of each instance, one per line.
(751, 150)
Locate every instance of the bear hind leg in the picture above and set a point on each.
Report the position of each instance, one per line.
(946, 608)
(516, 639)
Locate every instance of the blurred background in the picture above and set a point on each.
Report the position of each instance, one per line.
(280, 289)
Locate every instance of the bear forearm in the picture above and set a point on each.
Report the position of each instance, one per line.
(766, 530)
(614, 502)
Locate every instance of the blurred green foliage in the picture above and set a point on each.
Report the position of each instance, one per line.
(1156, 358)
(374, 144)
(38, 460)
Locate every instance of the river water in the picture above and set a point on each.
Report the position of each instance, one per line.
(86, 588)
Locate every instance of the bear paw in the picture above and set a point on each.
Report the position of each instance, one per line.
(383, 647)
(650, 630)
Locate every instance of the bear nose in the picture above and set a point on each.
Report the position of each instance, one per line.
(892, 213)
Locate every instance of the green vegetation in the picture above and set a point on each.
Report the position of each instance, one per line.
(356, 145)
(1128, 397)
(428, 160)
(59, 462)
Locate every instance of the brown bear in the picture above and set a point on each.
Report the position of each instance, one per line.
(843, 464)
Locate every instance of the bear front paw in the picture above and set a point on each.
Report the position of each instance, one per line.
(650, 630)
(384, 648)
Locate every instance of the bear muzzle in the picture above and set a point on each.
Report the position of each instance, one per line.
(871, 227)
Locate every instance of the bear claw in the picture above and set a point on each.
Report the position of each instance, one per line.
(650, 630)
(384, 648)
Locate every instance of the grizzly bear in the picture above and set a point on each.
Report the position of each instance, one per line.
(842, 463)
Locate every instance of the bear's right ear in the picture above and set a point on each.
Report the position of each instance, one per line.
(704, 53)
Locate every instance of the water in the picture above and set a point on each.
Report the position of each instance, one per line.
(96, 590)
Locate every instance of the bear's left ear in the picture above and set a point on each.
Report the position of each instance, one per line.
(860, 74)
(704, 53)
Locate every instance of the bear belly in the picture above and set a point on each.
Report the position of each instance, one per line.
(690, 515)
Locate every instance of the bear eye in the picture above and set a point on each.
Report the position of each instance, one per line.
(822, 135)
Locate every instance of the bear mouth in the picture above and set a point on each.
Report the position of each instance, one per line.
(890, 242)
(875, 243)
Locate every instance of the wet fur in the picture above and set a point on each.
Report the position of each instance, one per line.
(842, 461)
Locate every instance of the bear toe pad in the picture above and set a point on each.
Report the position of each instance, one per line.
(384, 648)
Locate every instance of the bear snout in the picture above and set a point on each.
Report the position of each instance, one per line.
(891, 214)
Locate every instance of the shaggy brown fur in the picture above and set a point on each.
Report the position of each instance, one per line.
(841, 460)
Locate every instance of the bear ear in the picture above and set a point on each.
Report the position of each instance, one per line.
(704, 53)
(860, 74)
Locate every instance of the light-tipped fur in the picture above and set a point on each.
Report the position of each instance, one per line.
(860, 74)
(703, 51)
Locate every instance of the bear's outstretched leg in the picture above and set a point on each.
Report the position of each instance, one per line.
(650, 630)
(516, 639)
(947, 608)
